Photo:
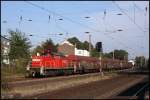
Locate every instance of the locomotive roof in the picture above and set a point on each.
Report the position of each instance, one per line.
(78, 58)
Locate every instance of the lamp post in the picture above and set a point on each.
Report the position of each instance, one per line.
(87, 17)
(113, 54)
(89, 41)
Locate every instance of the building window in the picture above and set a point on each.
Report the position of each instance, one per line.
(79, 52)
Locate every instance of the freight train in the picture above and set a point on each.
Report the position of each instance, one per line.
(47, 65)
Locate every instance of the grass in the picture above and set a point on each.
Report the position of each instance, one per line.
(53, 85)
(111, 72)
(10, 73)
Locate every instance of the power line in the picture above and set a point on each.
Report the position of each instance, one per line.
(42, 8)
(138, 7)
(59, 27)
(113, 32)
(128, 16)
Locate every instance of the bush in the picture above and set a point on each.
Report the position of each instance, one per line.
(15, 67)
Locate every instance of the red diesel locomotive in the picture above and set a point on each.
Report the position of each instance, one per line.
(46, 65)
(57, 65)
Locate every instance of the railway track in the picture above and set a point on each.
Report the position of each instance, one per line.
(36, 81)
(23, 79)
(95, 90)
(17, 79)
(61, 81)
(30, 87)
(138, 91)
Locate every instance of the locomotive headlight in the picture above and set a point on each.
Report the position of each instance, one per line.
(36, 59)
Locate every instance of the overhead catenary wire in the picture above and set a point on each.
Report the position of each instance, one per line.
(128, 17)
(66, 17)
(60, 28)
(134, 10)
(104, 21)
(132, 20)
(47, 10)
(136, 6)
(49, 17)
(113, 32)
(83, 25)
(58, 14)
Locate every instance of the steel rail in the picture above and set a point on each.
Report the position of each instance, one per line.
(140, 89)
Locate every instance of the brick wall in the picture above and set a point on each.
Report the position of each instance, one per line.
(66, 49)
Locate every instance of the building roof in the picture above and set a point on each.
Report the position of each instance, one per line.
(66, 42)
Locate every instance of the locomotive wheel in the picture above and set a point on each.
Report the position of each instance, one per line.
(33, 74)
(83, 70)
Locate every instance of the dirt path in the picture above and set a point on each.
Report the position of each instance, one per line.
(37, 86)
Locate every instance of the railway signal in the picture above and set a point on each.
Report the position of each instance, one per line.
(99, 46)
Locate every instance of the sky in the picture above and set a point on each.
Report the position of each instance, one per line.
(133, 21)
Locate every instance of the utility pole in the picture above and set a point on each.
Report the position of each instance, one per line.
(100, 57)
(141, 61)
(113, 54)
(66, 35)
(124, 57)
(90, 44)
(144, 63)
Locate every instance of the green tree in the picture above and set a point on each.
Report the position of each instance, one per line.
(37, 49)
(86, 45)
(95, 53)
(141, 61)
(107, 55)
(48, 44)
(75, 41)
(79, 44)
(118, 54)
(19, 45)
(19, 54)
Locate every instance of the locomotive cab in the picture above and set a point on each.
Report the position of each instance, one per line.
(46, 63)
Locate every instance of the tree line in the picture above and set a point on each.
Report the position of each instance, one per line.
(20, 48)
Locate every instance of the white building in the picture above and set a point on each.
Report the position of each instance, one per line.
(67, 48)
(5, 48)
(81, 52)
(132, 61)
